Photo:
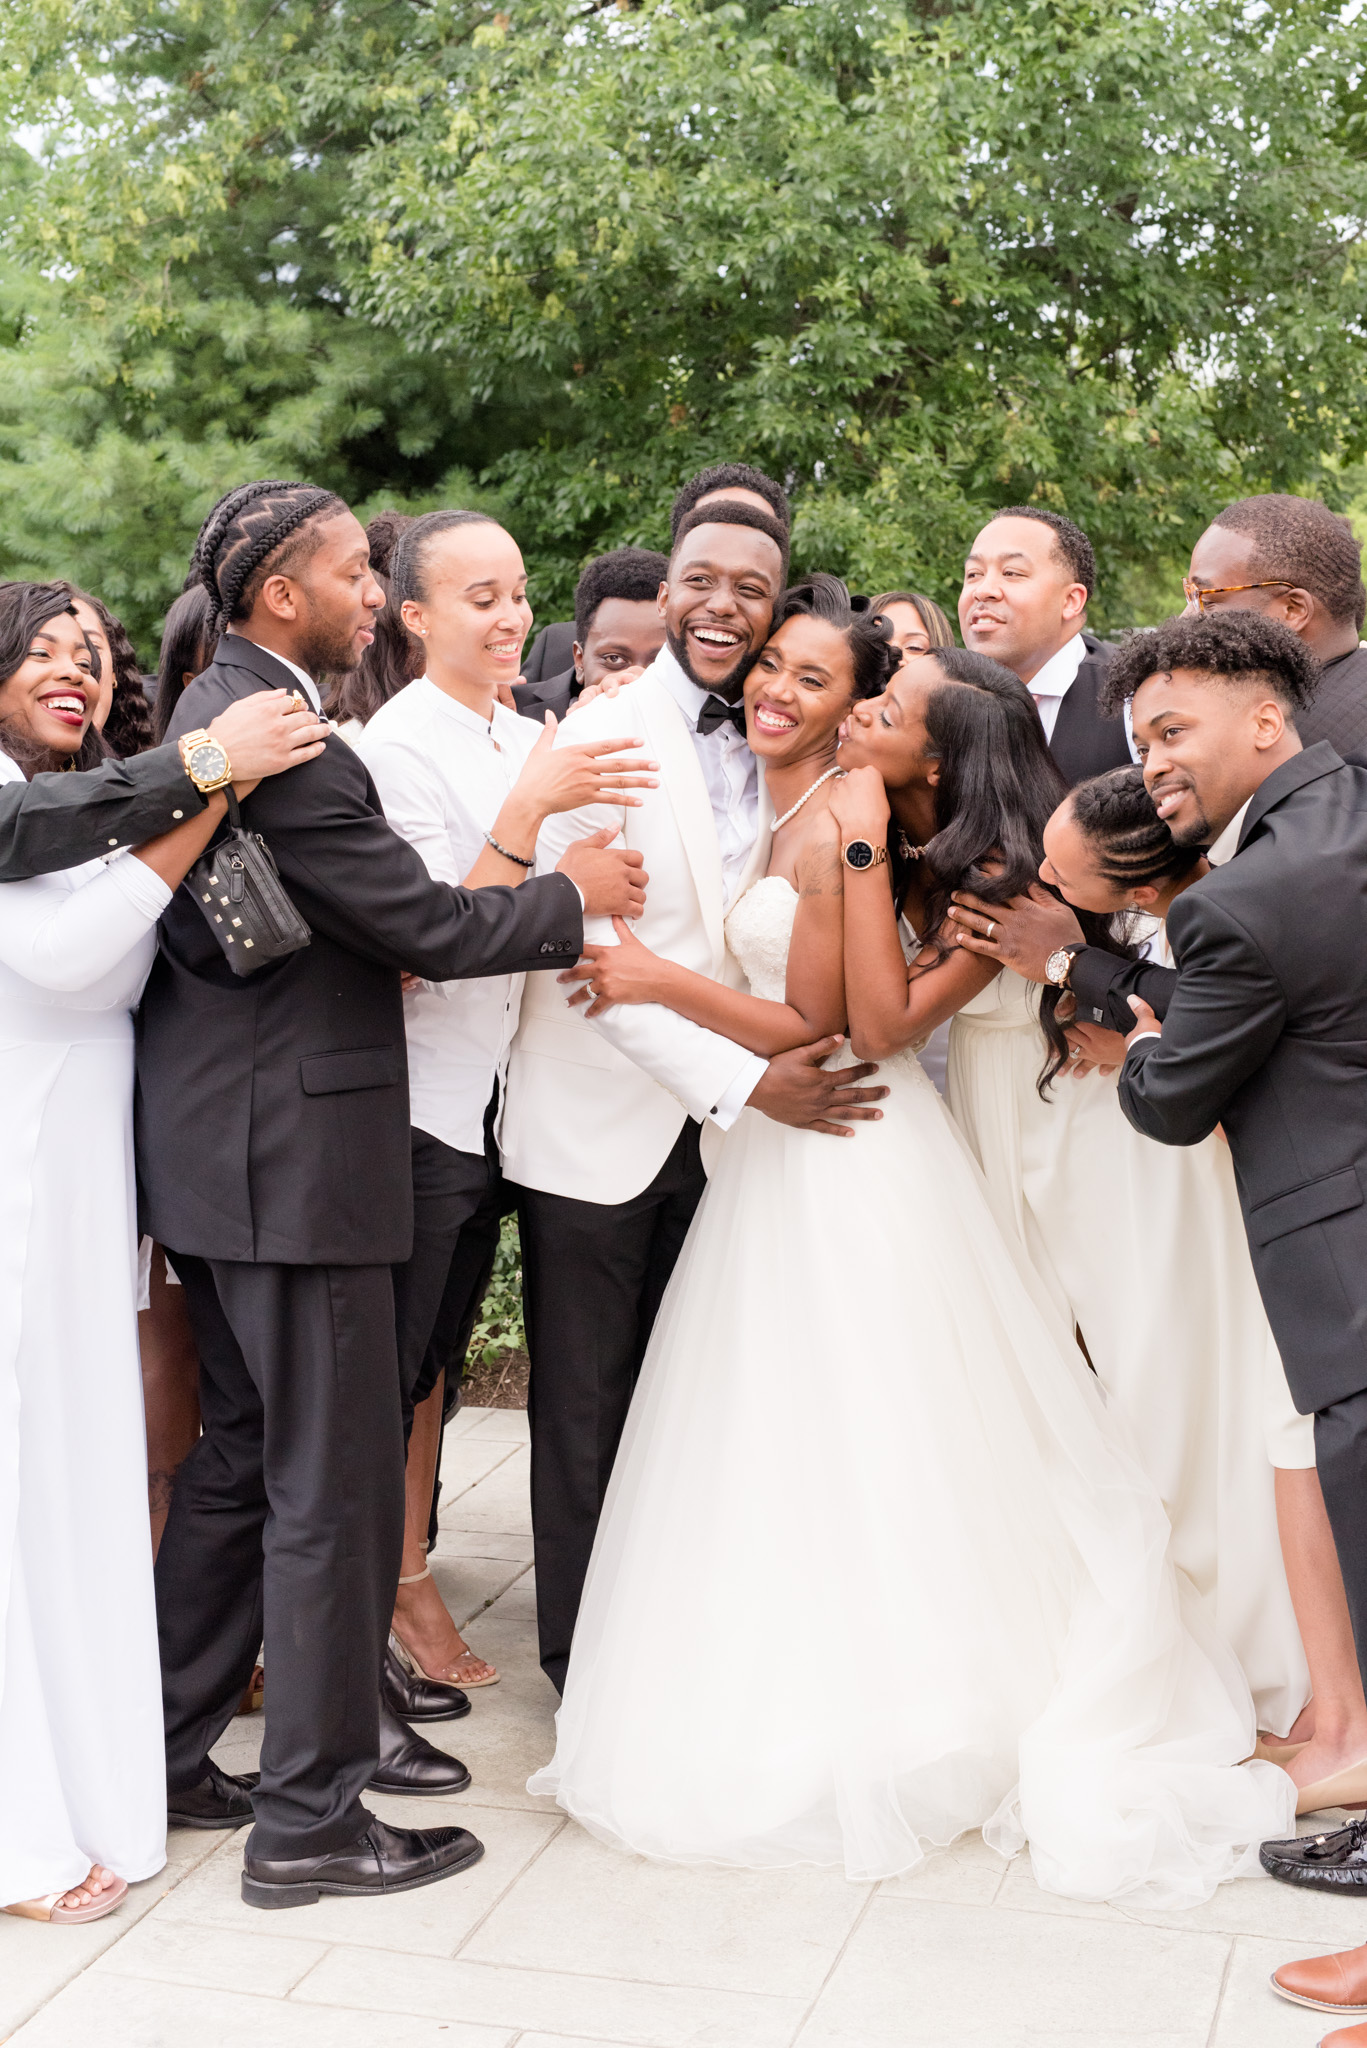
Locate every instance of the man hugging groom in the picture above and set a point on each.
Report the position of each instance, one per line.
(603, 1120)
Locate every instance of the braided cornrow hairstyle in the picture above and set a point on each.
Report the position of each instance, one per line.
(248, 529)
(128, 728)
(1132, 846)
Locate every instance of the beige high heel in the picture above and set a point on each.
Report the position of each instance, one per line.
(1345, 1788)
(451, 1676)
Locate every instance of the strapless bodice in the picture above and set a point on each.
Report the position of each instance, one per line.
(759, 931)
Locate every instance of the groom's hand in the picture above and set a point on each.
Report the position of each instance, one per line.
(612, 878)
(1020, 934)
(796, 1089)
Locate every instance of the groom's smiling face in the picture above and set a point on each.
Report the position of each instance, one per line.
(724, 582)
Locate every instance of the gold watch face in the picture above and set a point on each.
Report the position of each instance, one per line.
(207, 762)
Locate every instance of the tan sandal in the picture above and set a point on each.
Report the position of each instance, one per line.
(452, 1675)
(50, 1906)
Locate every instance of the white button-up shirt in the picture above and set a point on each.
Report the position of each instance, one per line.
(729, 771)
(443, 774)
(1051, 684)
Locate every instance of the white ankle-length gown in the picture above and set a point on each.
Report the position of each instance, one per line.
(861, 1425)
(82, 1770)
(1143, 1247)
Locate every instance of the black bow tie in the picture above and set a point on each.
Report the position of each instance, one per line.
(716, 712)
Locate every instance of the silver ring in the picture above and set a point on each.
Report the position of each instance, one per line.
(590, 988)
(991, 927)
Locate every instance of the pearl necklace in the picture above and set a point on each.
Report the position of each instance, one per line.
(780, 822)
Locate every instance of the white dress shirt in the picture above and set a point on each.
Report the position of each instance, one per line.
(729, 770)
(443, 774)
(1051, 684)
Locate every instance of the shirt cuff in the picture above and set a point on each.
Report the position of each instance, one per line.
(1143, 1034)
(733, 1099)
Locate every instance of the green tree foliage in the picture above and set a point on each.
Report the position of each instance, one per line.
(920, 260)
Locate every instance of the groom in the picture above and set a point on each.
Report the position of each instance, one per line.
(603, 1120)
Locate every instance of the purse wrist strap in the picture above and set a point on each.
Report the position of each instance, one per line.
(234, 814)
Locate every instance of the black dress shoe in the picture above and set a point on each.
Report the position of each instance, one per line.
(1332, 1862)
(217, 1801)
(384, 1860)
(409, 1764)
(415, 1697)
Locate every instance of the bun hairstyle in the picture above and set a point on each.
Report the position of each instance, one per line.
(411, 555)
(1132, 846)
(872, 653)
(252, 528)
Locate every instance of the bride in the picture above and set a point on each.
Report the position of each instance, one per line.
(860, 1422)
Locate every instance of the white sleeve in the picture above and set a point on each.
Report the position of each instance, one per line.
(68, 939)
(413, 800)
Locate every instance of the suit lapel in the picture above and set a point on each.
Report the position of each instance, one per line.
(1307, 766)
(682, 777)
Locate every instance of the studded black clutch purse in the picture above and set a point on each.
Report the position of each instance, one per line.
(237, 886)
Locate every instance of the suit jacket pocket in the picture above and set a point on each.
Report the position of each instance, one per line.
(1312, 1203)
(338, 1073)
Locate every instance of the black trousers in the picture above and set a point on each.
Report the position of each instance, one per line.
(593, 1276)
(1341, 1459)
(449, 1190)
(287, 1522)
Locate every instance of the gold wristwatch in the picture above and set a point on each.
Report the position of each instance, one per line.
(206, 762)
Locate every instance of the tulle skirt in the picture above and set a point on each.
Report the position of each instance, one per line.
(877, 1567)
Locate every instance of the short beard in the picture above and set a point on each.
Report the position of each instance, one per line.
(730, 690)
(1198, 833)
(326, 651)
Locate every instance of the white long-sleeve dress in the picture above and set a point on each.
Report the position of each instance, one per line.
(1143, 1247)
(82, 1772)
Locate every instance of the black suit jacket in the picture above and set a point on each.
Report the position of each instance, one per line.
(273, 1111)
(1084, 743)
(1266, 1034)
(58, 821)
(556, 694)
(1339, 711)
(551, 652)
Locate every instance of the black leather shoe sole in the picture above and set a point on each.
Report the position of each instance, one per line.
(199, 1820)
(402, 1790)
(274, 1897)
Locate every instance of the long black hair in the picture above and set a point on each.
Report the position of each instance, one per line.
(872, 654)
(188, 644)
(1132, 846)
(998, 788)
(395, 656)
(128, 728)
(24, 609)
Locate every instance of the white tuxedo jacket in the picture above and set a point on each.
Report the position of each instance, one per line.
(592, 1110)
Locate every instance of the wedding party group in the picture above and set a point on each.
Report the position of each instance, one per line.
(972, 1023)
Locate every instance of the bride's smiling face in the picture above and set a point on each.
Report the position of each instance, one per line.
(798, 692)
(889, 732)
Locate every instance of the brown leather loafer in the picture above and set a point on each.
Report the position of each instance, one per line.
(384, 1860)
(1345, 2037)
(1336, 1983)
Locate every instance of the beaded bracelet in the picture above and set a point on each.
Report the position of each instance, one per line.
(515, 858)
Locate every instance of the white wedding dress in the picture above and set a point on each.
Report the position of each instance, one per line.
(1143, 1246)
(82, 1765)
(875, 1566)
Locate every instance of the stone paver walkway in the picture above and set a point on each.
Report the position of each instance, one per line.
(554, 1941)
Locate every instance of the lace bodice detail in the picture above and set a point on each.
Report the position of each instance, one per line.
(759, 931)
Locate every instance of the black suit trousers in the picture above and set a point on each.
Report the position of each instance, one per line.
(593, 1277)
(287, 1521)
(1341, 1460)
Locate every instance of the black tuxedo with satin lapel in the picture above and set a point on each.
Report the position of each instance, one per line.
(551, 652)
(1085, 743)
(275, 1164)
(1266, 1035)
(556, 694)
